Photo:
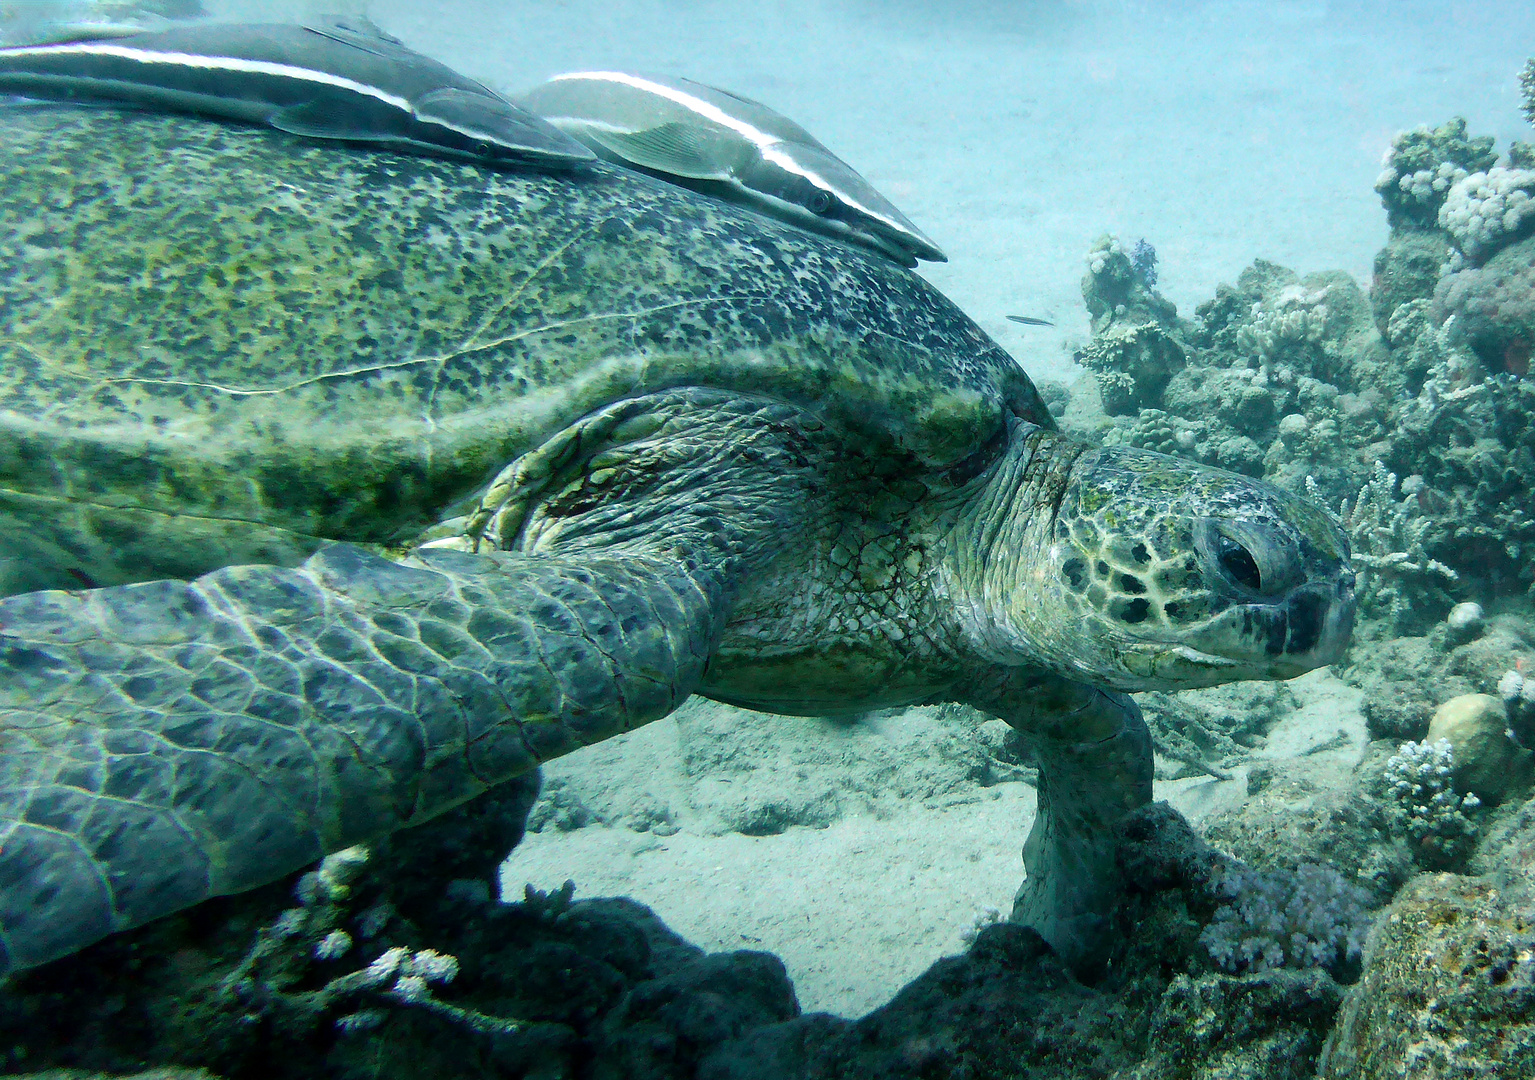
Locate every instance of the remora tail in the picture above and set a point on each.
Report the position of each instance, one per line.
(730, 146)
(333, 80)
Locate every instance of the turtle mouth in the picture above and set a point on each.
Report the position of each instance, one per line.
(1309, 629)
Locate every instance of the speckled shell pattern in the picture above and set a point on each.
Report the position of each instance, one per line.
(224, 345)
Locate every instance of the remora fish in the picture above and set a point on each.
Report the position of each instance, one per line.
(329, 80)
(730, 146)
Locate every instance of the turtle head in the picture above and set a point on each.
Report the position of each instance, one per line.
(1155, 573)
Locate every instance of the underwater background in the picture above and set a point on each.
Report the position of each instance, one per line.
(1223, 223)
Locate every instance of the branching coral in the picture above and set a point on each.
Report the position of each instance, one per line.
(1132, 364)
(271, 978)
(1472, 440)
(1387, 536)
(1295, 316)
(1432, 812)
(1518, 694)
(1527, 88)
(1135, 348)
(1311, 917)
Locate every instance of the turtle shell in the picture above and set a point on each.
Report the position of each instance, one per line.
(222, 344)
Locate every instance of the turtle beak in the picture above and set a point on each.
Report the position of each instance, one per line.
(1307, 629)
(1337, 622)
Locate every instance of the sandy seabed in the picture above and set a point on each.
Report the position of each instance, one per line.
(862, 906)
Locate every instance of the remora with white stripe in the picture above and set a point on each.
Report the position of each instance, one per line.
(716, 141)
(330, 80)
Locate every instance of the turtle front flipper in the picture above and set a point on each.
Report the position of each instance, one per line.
(1095, 766)
(167, 742)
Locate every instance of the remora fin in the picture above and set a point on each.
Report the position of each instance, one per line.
(330, 80)
(699, 135)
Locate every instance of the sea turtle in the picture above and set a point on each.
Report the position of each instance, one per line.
(337, 486)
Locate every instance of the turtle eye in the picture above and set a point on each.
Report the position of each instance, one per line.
(1238, 563)
(819, 201)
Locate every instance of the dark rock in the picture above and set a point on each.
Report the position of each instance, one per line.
(1448, 988)
(1271, 1024)
(1494, 307)
(1406, 269)
(665, 1026)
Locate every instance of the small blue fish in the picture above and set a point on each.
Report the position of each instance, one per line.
(330, 80)
(730, 146)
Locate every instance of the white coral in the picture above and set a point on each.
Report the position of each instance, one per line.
(1387, 538)
(388, 964)
(1418, 776)
(1426, 184)
(1511, 686)
(1484, 208)
(1098, 255)
(332, 945)
(1296, 315)
(985, 915)
(431, 965)
(1313, 917)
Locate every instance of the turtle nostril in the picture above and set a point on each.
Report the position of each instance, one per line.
(1238, 562)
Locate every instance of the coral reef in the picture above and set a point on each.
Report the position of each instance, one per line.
(1465, 622)
(1006, 1007)
(1406, 269)
(1288, 821)
(1448, 985)
(1527, 88)
(1518, 694)
(1405, 678)
(1135, 347)
(602, 989)
(1267, 386)
(401, 945)
(1420, 166)
(1132, 362)
(1397, 577)
(1470, 441)
(1143, 260)
(1484, 211)
(1310, 383)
